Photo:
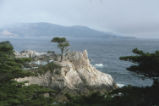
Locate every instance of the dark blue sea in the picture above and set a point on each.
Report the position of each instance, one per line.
(103, 53)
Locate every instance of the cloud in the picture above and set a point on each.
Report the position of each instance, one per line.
(129, 17)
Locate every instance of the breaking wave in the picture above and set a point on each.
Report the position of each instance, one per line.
(99, 65)
(120, 85)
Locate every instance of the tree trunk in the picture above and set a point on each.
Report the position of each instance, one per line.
(62, 54)
(50, 80)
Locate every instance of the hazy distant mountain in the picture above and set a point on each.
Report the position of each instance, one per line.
(47, 30)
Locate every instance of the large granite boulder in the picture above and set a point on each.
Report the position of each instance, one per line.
(75, 73)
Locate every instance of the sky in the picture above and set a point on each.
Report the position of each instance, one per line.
(138, 18)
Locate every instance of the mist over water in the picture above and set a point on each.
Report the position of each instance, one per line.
(104, 54)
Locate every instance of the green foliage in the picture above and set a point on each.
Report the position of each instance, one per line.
(16, 94)
(63, 44)
(45, 68)
(59, 40)
(145, 63)
(126, 96)
(10, 67)
(95, 99)
(13, 93)
(6, 47)
(134, 96)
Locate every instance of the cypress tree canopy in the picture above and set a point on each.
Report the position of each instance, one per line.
(13, 93)
(10, 67)
(146, 64)
(63, 44)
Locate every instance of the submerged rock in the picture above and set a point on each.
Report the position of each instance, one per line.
(75, 73)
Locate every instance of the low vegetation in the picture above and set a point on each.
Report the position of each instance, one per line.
(42, 69)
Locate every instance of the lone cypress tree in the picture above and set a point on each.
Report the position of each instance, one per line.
(63, 44)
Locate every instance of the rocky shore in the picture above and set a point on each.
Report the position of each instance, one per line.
(75, 73)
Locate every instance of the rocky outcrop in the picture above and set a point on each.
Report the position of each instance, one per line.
(27, 54)
(76, 73)
(38, 58)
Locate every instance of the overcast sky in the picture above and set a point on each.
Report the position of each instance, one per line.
(138, 18)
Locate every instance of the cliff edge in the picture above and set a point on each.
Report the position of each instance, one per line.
(75, 73)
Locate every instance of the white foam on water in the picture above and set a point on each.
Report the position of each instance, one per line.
(99, 65)
(120, 85)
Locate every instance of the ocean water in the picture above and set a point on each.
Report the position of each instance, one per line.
(104, 54)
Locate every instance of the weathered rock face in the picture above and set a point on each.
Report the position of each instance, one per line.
(75, 73)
